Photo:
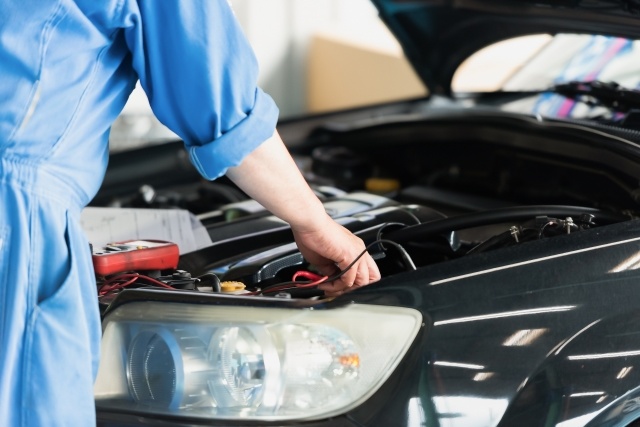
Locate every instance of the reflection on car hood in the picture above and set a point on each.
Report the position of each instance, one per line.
(437, 35)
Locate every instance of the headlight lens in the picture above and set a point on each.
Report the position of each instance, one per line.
(246, 362)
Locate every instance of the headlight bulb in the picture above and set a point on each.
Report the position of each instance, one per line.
(241, 357)
(321, 363)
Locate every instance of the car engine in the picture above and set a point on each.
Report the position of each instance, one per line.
(414, 202)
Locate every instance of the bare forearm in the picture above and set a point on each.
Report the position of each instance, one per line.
(270, 176)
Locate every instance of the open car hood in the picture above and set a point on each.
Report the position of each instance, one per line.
(438, 35)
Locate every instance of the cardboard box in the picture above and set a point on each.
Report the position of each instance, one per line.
(344, 73)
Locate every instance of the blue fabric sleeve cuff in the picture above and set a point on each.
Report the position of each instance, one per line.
(214, 158)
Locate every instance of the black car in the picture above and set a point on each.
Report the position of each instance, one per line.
(504, 225)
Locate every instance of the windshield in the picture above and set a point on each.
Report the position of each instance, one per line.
(538, 62)
(535, 63)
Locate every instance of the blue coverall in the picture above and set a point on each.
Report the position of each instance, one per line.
(66, 70)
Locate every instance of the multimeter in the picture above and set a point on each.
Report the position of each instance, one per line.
(134, 255)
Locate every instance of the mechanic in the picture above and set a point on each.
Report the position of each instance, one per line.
(67, 68)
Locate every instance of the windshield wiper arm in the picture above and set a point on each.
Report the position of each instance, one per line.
(607, 94)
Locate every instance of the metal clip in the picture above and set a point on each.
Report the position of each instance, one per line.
(568, 223)
(515, 232)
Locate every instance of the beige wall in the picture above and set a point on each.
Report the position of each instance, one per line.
(344, 73)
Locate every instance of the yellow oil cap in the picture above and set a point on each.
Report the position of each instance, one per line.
(232, 286)
(382, 185)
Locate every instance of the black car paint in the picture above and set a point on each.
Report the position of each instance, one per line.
(590, 311)
(583, 307)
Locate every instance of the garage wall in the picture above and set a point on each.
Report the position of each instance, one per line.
(281, 31)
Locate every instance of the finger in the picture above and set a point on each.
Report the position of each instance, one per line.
(374, 271)
(367, 272)
(335, 293)
(335, 286)
(331, 287)
(326, 269)
(362, 274)
(349, 276)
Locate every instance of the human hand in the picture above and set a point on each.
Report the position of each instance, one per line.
(330, 248)
(264, 175)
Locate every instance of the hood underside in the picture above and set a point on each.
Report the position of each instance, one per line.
(438, 35)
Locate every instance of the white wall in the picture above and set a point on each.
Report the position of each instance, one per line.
(280, 31)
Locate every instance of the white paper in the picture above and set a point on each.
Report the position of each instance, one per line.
(108, 225)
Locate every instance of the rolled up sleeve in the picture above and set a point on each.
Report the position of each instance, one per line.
(200, 75)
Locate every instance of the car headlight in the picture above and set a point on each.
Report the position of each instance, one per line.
(252, 363)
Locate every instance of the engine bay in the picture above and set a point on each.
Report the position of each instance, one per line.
(418, 192)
